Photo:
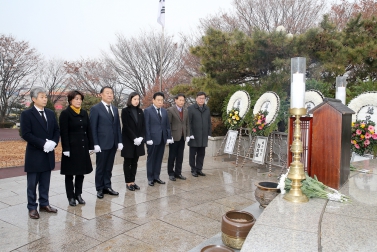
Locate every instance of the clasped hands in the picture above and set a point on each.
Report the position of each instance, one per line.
(49, 146)
(138, 141)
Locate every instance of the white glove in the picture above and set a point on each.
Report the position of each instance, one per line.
(120, 146)
(137, 141)
(170, 141)
(209, 137)
(66, 153)
(97, 148)
(150, 142)
(192, 137)
(187, 139)
(140, 139)
(49, 146)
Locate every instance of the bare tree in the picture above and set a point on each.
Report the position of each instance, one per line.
(137, 60)
(18, 65)
(340, 14)
(295, 15)
(53, 76)
(91, 75)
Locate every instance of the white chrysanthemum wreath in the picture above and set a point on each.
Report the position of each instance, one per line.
(362, 100)
(313, 97)
(241, 100)
(272, 100)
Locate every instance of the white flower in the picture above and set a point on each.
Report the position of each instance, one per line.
(273, 101)
(240, 100)
(334, 197)
(362, 100)
(281, 184)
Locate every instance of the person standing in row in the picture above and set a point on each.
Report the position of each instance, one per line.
(77, 143)
(180, 130)
(157, 134)
(40, 130)
(200, 131)
(133, 134)
(107, 138)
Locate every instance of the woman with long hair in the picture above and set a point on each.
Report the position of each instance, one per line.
(133, 135)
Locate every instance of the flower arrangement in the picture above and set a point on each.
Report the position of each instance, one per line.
(258, 124)
(312, 188)
(364, 137)
(233, 119)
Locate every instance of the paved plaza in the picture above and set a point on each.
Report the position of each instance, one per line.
(186, 215)
(177, 216)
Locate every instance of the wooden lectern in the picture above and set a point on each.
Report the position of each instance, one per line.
(331, 142)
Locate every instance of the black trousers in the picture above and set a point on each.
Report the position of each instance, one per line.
(73, 189)
(42, 179)
(154, 160)
(104, 168)
(129, 169)
(196, 158)
(176, 150)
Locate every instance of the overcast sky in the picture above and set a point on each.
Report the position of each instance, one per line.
(71, 29)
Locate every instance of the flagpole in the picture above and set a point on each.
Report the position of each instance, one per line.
(161, 53)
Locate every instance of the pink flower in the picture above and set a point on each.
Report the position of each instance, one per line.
(358, 132)
(357, 146)
(370, 128)
(260, 127)
(259, 122)
(366, 142)
(254, 130)
(368, 135)
(374, 136)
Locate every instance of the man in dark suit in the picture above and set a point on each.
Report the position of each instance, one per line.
(107, 138)
(40, 130)
(200, 131)
(180, 130)
(157, 134)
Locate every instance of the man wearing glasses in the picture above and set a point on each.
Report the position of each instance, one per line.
(200, 131)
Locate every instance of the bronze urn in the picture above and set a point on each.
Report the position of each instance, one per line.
(266, 192)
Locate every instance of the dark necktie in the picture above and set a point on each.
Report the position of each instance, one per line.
(159, 113)
(109, 110)
(44, 118)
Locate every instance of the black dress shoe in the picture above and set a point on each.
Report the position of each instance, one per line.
(72, 202)
(150, 183)
(130, 187)
(100, 194)
(80, 199)
(159, 181)
(33, 214)
(172, 178)
(194, 174)
(48, 209)
(136, 187)
(200, 173)
(181, 177)
(110, 191)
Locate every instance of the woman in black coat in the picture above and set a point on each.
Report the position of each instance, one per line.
(77, 143)
(133, 135)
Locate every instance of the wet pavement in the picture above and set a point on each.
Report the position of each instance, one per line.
(177, 216)
(186, 214)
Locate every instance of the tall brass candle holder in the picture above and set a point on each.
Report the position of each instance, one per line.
(296, 172)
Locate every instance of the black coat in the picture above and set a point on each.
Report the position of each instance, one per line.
(132, 130)
(35, 133)
(200, 125)
(76, 137)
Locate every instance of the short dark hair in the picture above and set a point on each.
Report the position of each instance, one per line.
(158, 94)
(130, 96)
(179, 95)
(72, 94)
(103, 88)
(201, 93)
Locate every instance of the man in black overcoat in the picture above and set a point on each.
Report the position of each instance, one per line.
(200, 131)
(40, 130)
